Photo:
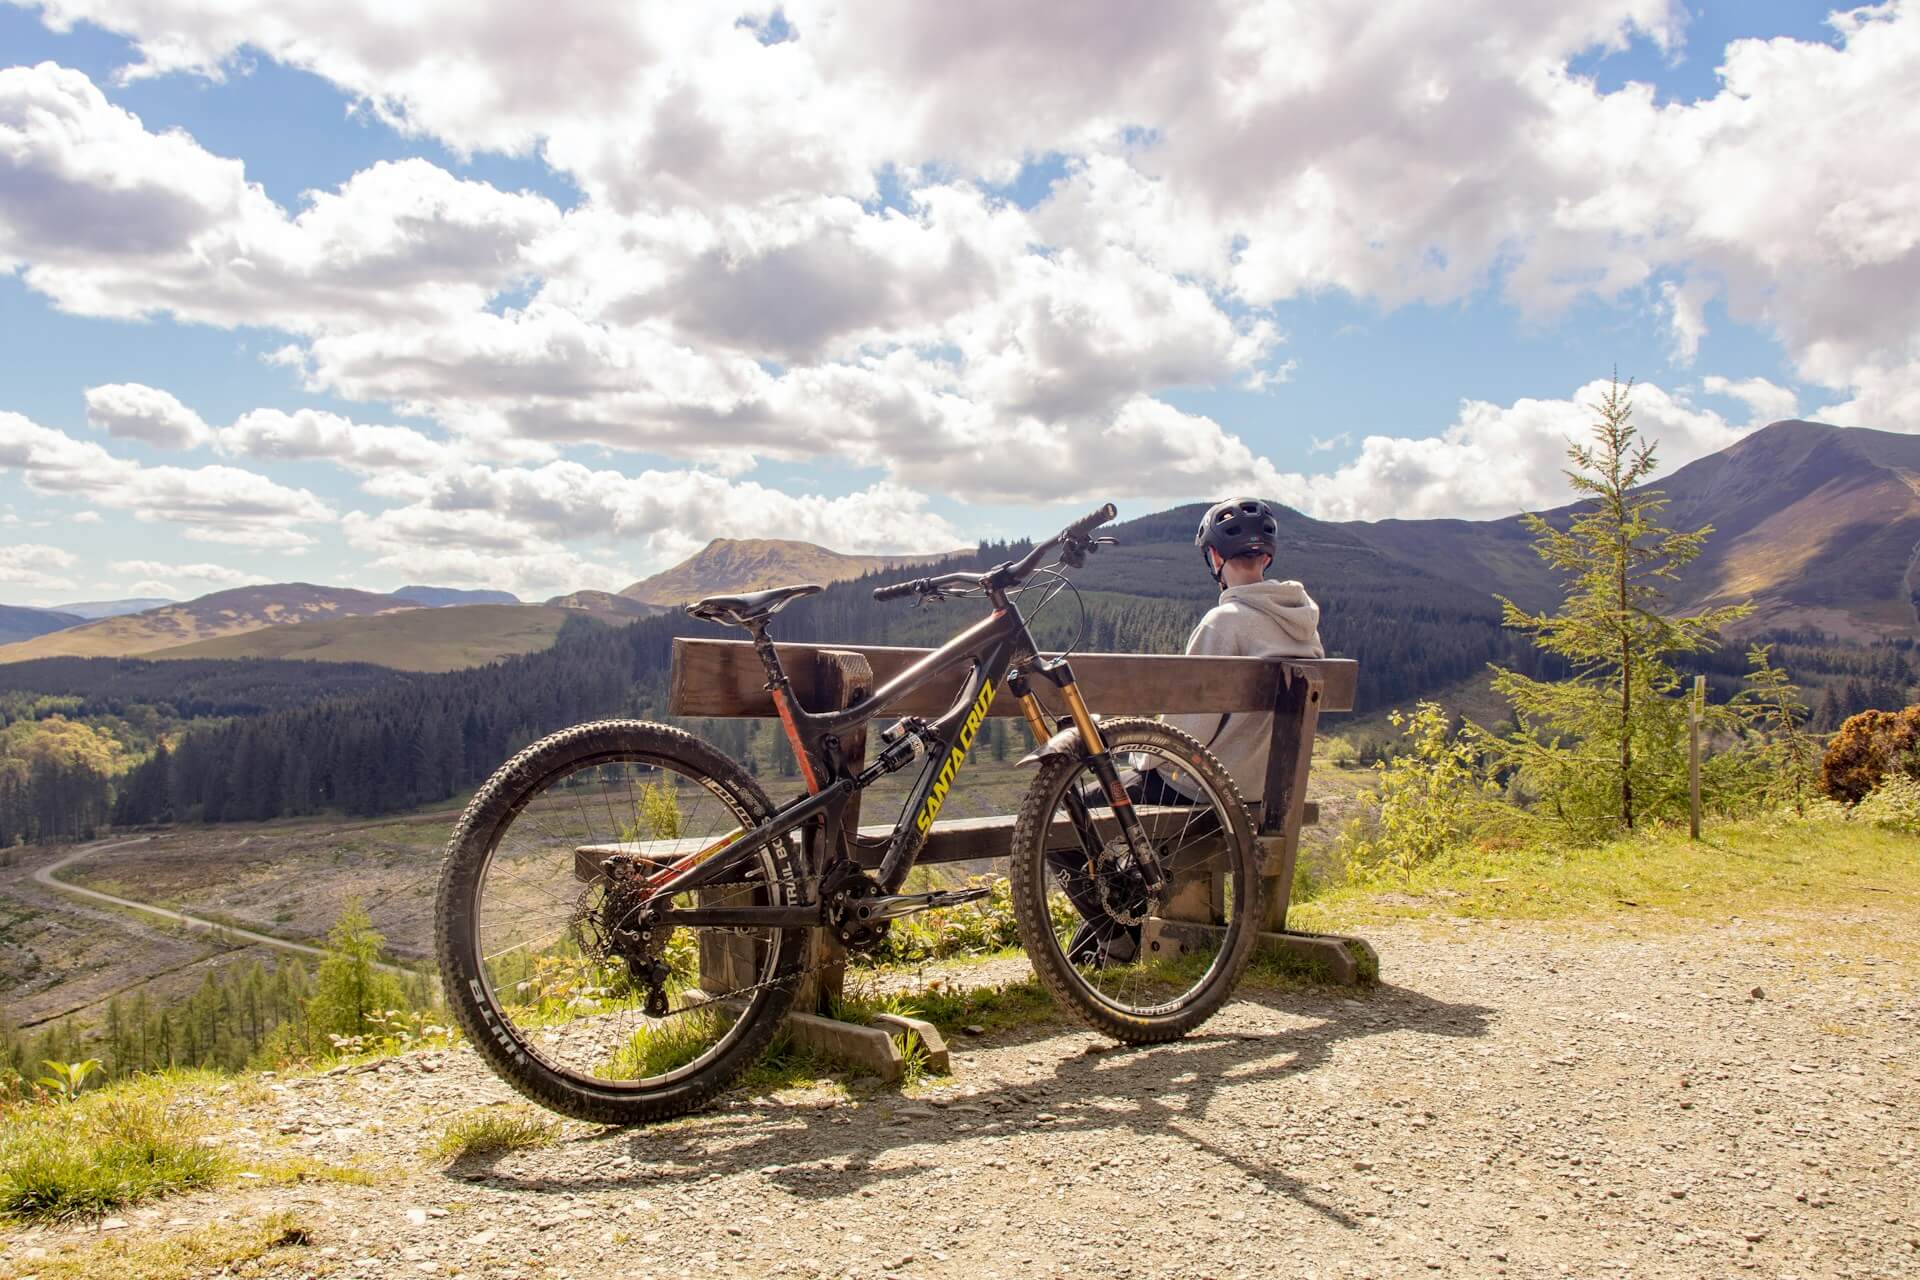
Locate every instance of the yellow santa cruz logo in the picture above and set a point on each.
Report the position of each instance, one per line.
(955, 758)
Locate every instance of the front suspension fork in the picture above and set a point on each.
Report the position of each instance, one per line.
(1104, 770)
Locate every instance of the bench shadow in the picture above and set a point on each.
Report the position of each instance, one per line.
(1143, 1092)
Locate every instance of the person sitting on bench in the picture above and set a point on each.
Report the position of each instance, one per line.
(1255, 618)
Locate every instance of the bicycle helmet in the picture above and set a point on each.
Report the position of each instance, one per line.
(1237, 527)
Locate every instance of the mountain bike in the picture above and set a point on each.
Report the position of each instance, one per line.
(622, 911)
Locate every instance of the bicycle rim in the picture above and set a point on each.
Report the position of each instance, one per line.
(1145, 957)
(559, 961)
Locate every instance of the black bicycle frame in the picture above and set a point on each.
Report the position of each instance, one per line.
(991, 647)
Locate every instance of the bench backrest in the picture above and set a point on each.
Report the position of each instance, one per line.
(724, 678)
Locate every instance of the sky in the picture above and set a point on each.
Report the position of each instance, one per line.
(544, 298)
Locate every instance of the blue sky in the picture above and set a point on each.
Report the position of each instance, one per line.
(533, 345)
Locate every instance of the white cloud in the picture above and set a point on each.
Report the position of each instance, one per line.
(36, 567)
(213, 576)
(730, 292)
(131, 411)
(1766, 401)
(218, 501)
(1496, 460)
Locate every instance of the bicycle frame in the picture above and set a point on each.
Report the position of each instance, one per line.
(992, 647)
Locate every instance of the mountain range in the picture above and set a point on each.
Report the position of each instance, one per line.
(1818, 526)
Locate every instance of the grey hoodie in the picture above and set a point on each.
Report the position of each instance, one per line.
(1260, 620)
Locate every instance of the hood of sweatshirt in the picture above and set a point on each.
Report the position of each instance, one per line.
(1287, 603)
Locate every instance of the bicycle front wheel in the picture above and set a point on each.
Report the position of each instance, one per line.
(1141, 966)
(544, 966)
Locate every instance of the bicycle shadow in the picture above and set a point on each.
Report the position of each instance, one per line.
(1142, 1094)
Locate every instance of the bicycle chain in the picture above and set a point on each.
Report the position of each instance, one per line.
(795, 977)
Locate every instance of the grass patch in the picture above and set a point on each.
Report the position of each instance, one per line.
(289, 1170)
(660, 1047)
(1737, 868)
(111, 1148)
(492, 1131)
(993, 1008)
(227, 1250)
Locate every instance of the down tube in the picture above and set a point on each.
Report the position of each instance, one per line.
(958, 729)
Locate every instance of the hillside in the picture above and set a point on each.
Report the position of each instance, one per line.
(1818, 525)
(440, 597)
(19, 622)
(443, 639)
(754, 564)
(606, 603)
(223, 613)
(91, 609)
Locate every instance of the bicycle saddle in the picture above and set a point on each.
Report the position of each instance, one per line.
(754, 606)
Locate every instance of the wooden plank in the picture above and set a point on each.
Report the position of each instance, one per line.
(725, 678)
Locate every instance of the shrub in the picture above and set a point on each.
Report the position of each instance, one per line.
(1894, 804)
(1867, 747)
(1430, 797)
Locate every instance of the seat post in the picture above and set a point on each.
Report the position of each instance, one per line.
(769, 657)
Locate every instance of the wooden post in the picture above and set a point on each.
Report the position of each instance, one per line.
(1296, 719)
(841, 678)
(1694, 704)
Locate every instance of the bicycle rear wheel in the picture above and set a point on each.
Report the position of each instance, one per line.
(1140, 966)
(542, 966)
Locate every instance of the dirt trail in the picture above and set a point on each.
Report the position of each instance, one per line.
(1522, 1100)
(48, 877)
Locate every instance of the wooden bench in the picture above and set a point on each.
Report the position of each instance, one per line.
(724, 678)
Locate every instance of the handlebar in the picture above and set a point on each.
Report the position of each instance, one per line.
(1011, 573)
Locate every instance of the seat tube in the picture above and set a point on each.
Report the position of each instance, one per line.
(781, 690)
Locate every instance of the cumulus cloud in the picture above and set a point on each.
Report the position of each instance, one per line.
(155, 578)
(35, 566)
(217, 502)
(731, 289)
(1496, 460)
(131, 411)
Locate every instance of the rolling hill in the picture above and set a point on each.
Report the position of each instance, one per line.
(22, 622)
(441, 597)
(444, 639)
(753, 564)
(223, 613)
(606, 604)
(91, 609)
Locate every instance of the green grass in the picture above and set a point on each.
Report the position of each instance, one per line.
(111, 1148)
(1738, 868)
(216, 1250)
(489, 1131)
(660, 1047)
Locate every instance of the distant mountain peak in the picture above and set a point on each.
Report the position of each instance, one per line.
(754, 564)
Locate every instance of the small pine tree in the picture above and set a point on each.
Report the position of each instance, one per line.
(1607, 745)
(350, 986)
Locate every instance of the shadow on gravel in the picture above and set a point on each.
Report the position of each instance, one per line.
(1155, 1091)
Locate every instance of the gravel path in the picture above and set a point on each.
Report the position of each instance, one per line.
(1525, 1100)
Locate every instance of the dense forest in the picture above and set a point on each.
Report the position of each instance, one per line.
(260, 739)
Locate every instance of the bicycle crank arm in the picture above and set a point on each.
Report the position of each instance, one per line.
(891, 906)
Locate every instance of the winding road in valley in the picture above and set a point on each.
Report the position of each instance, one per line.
(48, 877)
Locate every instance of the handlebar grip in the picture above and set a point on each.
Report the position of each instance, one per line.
(1088, 523)
(895, 590)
